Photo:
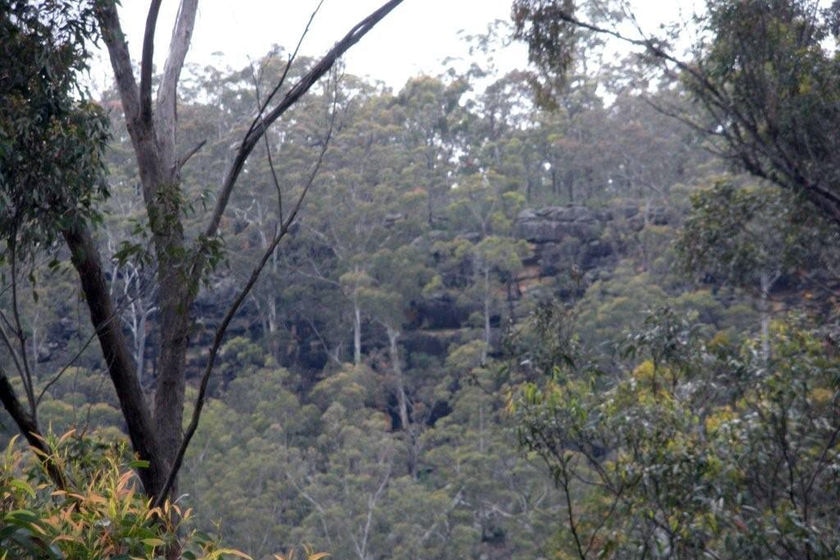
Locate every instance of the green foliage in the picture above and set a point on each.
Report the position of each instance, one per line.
(698, 450)
(771, 62)
(338, 472)
(410, 241)
(549, 48)
(763, 73)
(102, 514)
(617, 303)
(740, 232)
(51, 144)
(351, 386)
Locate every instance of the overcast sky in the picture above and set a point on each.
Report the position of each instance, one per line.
(415, 38)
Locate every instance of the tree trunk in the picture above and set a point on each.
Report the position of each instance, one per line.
(402, 399)
(140, 337)
(28, 426)
(766, 281)
(152, 129)
(87, 262)
(486, 309)
(152, 132)
(176, 298)
(357, 333)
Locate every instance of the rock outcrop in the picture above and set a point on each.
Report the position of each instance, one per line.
(555, 224)
(565, 237)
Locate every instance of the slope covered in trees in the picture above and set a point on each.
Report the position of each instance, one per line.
(471, 270)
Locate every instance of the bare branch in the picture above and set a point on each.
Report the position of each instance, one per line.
(112, 33)
(283, 229)
(262, 107)
(182, 161)
(759, 155)
(292, 57)
(64, 369)
(7, 342)
(21, 360)
(651, 46)
(147, 62)
(260, 126)
(28, 426)
(167, 92)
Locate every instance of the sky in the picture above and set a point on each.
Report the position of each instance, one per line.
(413, 39)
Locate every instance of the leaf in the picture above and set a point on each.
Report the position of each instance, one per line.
(222, 552)
(23, 518)
(22, 486)
(139, 464)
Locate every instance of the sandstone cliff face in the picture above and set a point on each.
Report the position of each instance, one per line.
(566, 237)
(553, 224)
(570, 246)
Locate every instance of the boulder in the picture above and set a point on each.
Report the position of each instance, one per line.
(554, 224)
(565, 237)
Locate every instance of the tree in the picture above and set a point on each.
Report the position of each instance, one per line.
(286, 286)
(399, 277)
(432, 125)
(764, 74)
(39, 524)
(700, 450)
(182, 259)
(750, 236)
(368, 205)
(50, 140)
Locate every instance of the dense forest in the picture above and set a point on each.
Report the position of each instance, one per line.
(577, 310)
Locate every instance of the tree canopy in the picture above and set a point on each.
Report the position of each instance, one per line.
(763, 72)
(330, 318)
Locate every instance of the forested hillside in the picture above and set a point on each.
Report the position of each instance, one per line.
(504, 322)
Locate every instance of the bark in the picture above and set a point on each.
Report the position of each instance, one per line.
(140, 339)
(402, 399)
(268, 254)
(487, 300)
(180, 267)
(28, 426)
(176, 298)
(766, 282)
(357, 331)
(152, 131)
(87, 262)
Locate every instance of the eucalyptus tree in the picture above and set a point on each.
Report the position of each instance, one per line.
(369, 204)
(182, 259)
(255, 212)
(398, 278)
(231, 482)
(763, 74)
(434, 124)
(752, 236)
(51, 168)
(699, 449)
